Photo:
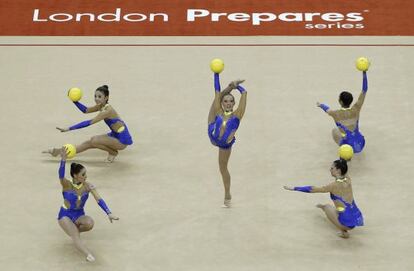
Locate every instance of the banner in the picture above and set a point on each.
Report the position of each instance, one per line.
(206, 18)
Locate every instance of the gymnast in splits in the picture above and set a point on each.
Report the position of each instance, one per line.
(75, 192)
(347, 118)
(222, 125)
(116, 140)
(344, 214)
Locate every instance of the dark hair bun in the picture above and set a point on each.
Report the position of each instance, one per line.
(343, 161)
(75, 168)
(103, 88)
(342, 165)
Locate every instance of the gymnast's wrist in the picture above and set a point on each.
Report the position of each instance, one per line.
(81, 107)
(80, 125)
(324, 107)
(217, 86)
(305, 189)
(61, 170)
(104, 207)
(241, 89)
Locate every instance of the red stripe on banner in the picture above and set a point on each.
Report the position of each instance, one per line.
(206, 18)
(207, 45)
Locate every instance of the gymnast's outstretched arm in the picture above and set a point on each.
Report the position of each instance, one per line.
(325, 108)
(217, 93)
(102, 115)
(312, 189)
(86, 109)
(215, 106)
(61, 171)
(361, 98)
(101, 203)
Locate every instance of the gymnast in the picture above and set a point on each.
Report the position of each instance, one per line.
(345, 214)
(116, 140)
(347, 118)
(222, 125)
(75, 192)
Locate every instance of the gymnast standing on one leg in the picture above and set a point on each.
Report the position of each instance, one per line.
(347, 118)
(222, 125)
(119, 137)
(75, 192)
(345, 214)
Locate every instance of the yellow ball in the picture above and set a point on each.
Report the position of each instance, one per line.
(217, 65)
(362, 64)
(75, 94)
(346, 152)
(70, 150)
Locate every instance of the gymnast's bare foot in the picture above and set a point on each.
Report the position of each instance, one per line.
(343, 234)
(320, 206)
(90, 258)
(54, 152)
(111, 157)
(227, 202)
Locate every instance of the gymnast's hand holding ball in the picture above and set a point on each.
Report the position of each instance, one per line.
(64, 153)
(74, 94)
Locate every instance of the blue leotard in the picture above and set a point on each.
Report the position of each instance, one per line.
(353, 138)
(230, 126)
(351, 216)
(74, 211)
(122, 134)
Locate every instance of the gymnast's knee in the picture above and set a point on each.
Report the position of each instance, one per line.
(93, 141)
(224, 169)
(88, 224)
